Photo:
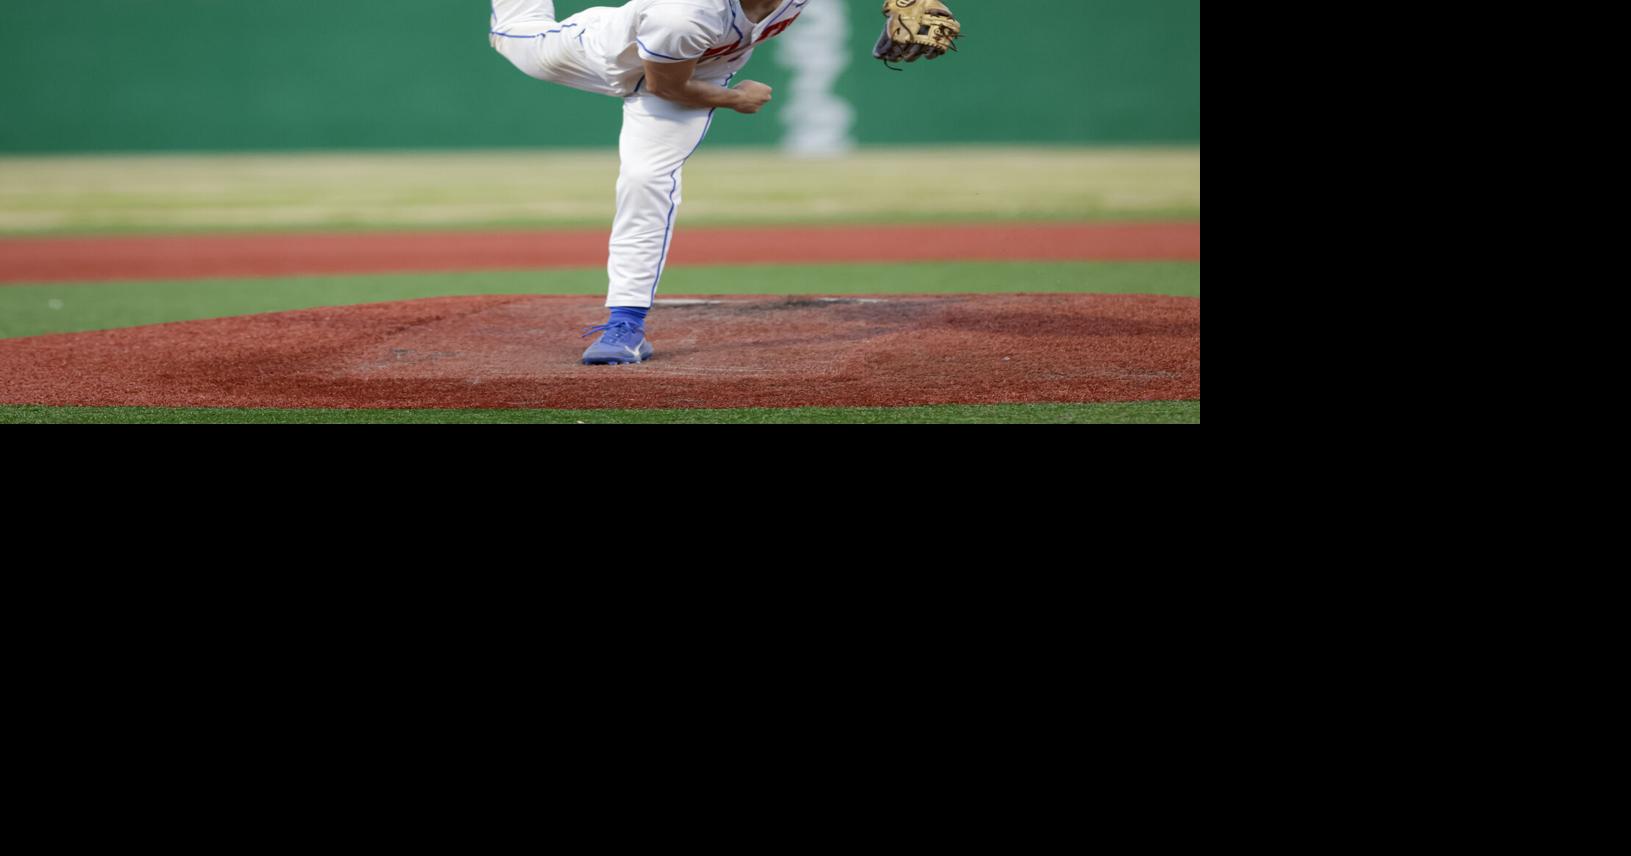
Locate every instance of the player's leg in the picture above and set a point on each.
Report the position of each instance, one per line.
(512, 12)
(658, 136)
(516, 31)
(527, 34)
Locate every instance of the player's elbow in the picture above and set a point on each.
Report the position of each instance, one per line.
(665, 88)
(669, 80)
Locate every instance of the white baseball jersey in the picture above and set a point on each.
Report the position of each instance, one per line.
(604, 50)
(715, 32)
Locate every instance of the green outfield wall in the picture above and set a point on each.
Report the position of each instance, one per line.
(203, 75)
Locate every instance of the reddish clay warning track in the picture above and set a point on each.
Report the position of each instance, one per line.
(513, 352)
(196, 257)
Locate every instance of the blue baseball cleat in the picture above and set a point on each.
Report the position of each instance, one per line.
(622, 343)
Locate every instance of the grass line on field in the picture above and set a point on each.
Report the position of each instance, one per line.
(31, 310)
(1145, 412)
(785, 216)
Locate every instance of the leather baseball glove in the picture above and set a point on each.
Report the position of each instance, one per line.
(916, 29)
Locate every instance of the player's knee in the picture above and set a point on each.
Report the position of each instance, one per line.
(646, 175)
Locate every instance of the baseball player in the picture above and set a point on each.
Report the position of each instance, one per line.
(671, 61)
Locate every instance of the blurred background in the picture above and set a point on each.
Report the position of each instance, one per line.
(182, 116)
(260, 75)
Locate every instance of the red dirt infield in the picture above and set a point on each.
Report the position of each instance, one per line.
(80, 259)
(522, 352)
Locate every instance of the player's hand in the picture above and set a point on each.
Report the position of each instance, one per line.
(751, 95)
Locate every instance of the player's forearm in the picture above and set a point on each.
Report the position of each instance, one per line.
(697, 93)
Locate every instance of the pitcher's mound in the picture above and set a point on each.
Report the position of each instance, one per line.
(522, 351)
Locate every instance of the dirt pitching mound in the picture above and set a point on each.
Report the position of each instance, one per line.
(522, 352)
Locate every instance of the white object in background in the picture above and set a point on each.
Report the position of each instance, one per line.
(818, 120)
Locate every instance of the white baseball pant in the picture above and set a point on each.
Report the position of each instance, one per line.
(658, 136)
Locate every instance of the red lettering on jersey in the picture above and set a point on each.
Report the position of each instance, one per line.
(719, 51)
(775, 30)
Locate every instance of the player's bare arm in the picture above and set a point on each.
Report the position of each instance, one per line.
(672, 81)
